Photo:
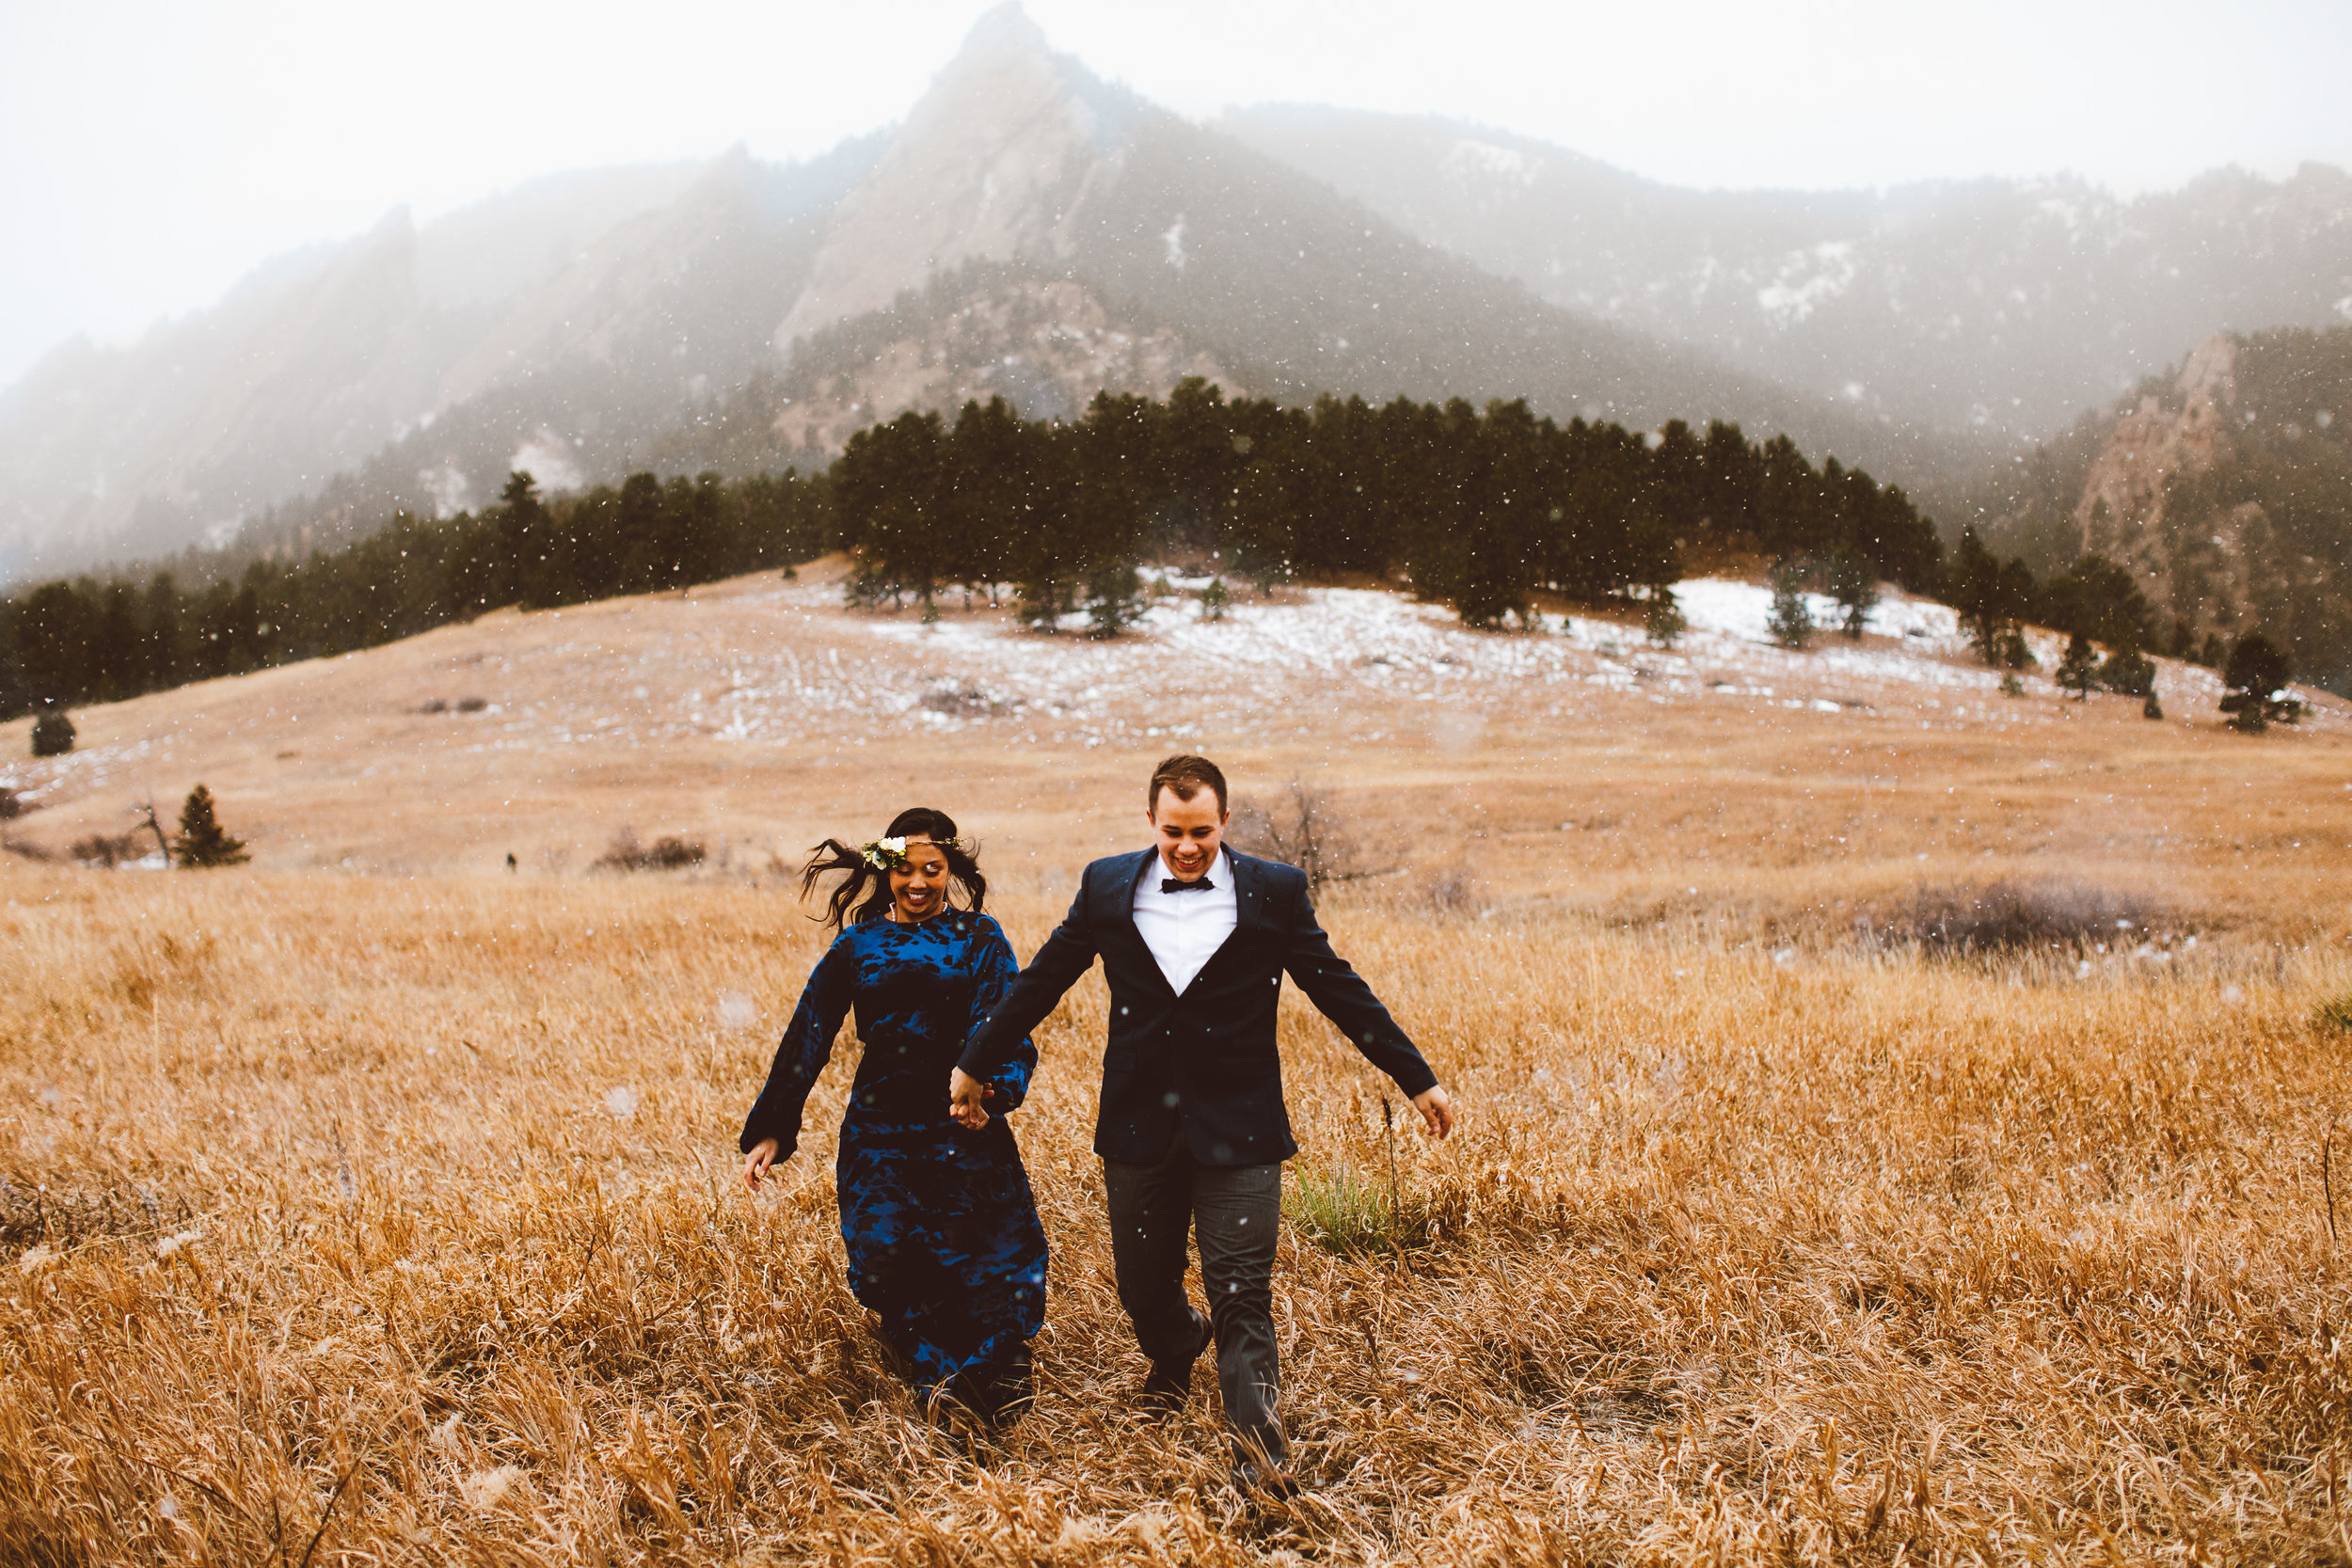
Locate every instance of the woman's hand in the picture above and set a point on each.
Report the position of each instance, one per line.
(756, 1163)
(964, 1096)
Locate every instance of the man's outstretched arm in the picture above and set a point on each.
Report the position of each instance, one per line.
(1067, 954)
(1340, 995)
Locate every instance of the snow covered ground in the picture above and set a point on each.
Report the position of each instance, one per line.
(1307, 656)
(774, 662)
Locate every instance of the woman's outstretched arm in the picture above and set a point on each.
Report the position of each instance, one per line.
(773, 1131)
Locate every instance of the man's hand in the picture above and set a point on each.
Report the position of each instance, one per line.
(756, 1163)
(965, 1095)
(1437, 1111)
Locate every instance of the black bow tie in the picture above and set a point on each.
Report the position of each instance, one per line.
(1171, 884)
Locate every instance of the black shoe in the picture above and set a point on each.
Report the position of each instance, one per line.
(1169, 1383)
(1006, 1396)
(1265, 1483)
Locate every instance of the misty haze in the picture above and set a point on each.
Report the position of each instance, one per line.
(1792, 740)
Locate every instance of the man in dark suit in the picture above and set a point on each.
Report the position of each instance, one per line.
(1192, 1130)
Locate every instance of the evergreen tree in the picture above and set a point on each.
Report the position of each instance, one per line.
(1791, 622)
(1663, 620)
(2255, 680)
(1854, 584)
(53, 735)
(1115, 598)
(2150, 707)
(201, 841)
(2128, 675)
(1991, 597)
(2078, 671)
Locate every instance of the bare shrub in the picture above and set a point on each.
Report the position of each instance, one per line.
(472, 704)
(108, 849)
(433, 705)
(963, 702)
(1305, 830)
(669, 852)
(1450, 890)
(2015, 916)
(27, 850)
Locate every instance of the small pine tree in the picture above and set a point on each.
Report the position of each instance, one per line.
(201, 841)
(2127, 673)
(1215, 599)
(1853, 583)
(53, 735)
(1664, 621)
(1115, 599)
(2152, 708)
(1791, 623)
(2256, 678)
(2078, 671)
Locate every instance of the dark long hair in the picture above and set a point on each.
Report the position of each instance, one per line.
(863, 892)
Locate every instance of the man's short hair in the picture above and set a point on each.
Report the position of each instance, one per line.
(1187, 776)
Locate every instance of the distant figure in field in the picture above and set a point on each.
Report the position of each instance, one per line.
(1194, 941)
(942, 1230)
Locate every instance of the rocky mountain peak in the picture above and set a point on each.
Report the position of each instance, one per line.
(993, 165)
(2184, 431)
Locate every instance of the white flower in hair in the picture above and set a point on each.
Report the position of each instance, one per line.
(886, 854)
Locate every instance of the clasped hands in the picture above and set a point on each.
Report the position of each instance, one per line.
(967, 1108)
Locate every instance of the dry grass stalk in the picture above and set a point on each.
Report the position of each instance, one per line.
(349, 1243)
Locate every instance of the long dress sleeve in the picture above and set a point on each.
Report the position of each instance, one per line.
(807, 1047)
(994, 970)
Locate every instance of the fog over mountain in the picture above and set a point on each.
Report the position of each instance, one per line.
(2001, 304)
(1032, 231)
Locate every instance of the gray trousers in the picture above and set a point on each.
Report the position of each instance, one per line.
(1235, 1212)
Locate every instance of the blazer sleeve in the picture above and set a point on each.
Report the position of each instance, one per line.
(1069, 953)
(996, 969)
(1340, 995)
(802, 1054)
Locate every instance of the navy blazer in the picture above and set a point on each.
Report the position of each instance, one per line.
(1208, 1057)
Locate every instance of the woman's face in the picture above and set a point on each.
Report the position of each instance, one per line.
(920, 891)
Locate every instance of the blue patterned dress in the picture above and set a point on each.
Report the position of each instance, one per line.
(942, 1230)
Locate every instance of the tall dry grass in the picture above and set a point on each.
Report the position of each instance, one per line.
(393, 1223)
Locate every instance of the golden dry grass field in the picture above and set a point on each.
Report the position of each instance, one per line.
(373, 1203)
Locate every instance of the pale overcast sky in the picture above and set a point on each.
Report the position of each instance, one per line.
(152, 152)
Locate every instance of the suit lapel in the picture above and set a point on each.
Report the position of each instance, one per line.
(1248, 904)
(1129, 874)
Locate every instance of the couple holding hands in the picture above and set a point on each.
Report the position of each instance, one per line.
(943, 1235)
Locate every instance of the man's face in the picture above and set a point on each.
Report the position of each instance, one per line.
(1188, 833)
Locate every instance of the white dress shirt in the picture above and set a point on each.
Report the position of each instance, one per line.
(1184, 930)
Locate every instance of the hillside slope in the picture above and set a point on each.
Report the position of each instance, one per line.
(749, 316)
(2007, 305)
(754, 713)
(2225, 485)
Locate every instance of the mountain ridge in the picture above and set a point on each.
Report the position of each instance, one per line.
(700, 312)
(2009, 305)
(2224, 486)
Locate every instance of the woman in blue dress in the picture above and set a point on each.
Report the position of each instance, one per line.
(943, 1235)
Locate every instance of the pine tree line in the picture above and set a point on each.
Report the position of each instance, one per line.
(1483, 510)
(65, 643)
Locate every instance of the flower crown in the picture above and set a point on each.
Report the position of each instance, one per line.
(890, 854)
